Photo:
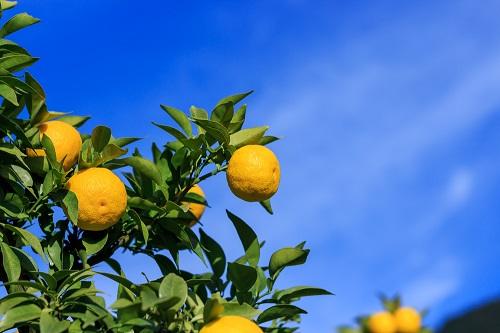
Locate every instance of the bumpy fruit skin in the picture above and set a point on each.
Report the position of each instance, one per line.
(102, 198)
(253, 173)
(66, 140)
(196, 209)
(408, 320)
(382, 322)
(231, 324)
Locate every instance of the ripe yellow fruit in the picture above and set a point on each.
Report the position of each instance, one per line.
(231, 324)
(195, 208)
(408, 320)
(253, 173)
(102, 198)
(382, 322)
(66, 140)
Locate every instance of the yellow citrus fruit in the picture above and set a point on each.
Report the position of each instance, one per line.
(66, 140)
(382, 322)
(253, 173)
(231, 324)
(408, 320)
(102, 198)
(195, 208)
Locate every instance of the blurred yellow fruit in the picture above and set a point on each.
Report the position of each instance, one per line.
(65, 139)
(102, 198)
(408, 320)
(231, 324)
(253, 173)
(195, 208)
(382, 322)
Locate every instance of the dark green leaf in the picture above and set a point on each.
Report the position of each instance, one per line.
(243, 277)
(248, 239)
(100, 137)
(279, 311)
(215, 254)
(300, 291)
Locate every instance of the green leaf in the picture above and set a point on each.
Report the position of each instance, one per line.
(11, 263)
(298, 292)
(19, 314)
(28, 238)
(17, 22)
(50, 324)
(288, 256)
(247, 136)
(166, 265)
(8, 93)
(172, 131)
(241, 310)
(213, 308)
(218, 131)
(248, 239)
(14, 62)
(94, 241)
(198, 113)
(5, 4)
(137, 202)
(279, 311)
(223, 114)
(141, 226)
(100, 137)
(75, 121)
(235, 99)
(70, 202)
(243, 277)
(238, 119)
(27, 263)
(145, 167)
(267, 139)
(267, 206)
(173, 287)
(120, 279)
(180, 118)
(50, 152)
(120, 142)
(110, 152)
(215, 254)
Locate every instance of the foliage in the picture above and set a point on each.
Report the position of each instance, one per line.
(63, 297)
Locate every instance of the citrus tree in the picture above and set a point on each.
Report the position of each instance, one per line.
(394, 318)
(49, 256)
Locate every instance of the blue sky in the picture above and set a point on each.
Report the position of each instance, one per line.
(389, 112)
